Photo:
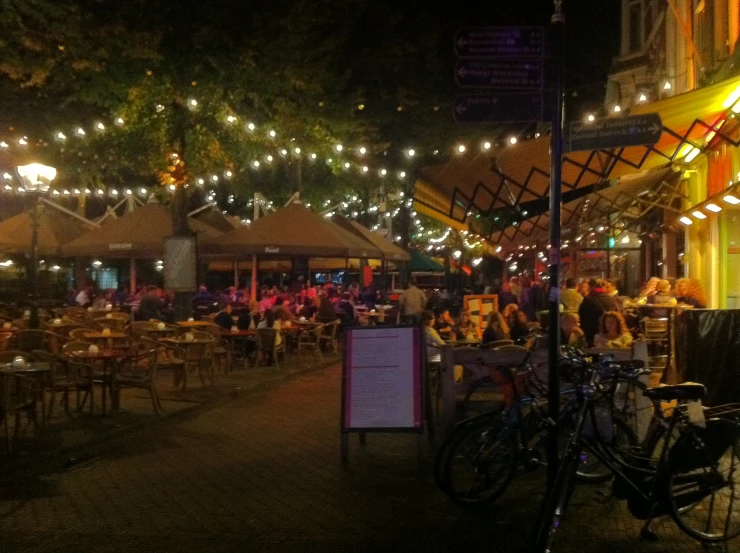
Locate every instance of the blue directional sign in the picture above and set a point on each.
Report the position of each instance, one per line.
(616, 132)
(499, 73)
(486, 42)
(507, 107)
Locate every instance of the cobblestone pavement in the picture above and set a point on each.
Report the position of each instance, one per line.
(262, 473)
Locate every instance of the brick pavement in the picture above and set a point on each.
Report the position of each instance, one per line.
(262, 473)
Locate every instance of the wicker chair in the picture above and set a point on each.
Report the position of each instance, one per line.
(66, 376)
(267, 344)
(330, 336)
(140, 372)
(310, 339)
(170, 358)
(223, 352)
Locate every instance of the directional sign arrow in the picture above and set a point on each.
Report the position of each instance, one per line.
(617, 132)
(506, 107)
(501, 73)
(500, 41)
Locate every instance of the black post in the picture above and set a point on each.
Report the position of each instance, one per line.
(556, 161)
(33, 297)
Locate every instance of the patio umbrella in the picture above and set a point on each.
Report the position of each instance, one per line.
(139, 233)
(292, 231)
(55, 230)
(390, 251)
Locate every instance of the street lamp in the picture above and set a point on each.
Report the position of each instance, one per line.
(36, 180)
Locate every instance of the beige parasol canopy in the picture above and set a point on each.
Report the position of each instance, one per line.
(291, 231)
(139, 233)
(55, 230)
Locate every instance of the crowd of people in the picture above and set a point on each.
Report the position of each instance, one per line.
(321, 302)
(593, 312)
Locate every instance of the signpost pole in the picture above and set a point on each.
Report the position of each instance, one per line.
(556, 147)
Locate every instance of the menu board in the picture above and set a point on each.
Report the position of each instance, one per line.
(382, 384)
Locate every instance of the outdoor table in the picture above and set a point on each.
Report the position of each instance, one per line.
(232, 336)
(463, 343)
(158, 333)
(195, 324)
(36, 371)
(98, 337)
(109, 362)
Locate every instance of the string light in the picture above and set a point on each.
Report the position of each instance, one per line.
(250, 126)
(339, 147)
(486, 145)
(297, 151)
(362, 150)
(461, 148)
(193, 103)
(411, 153)
(100, 126)
(513, 140)
(272, 134)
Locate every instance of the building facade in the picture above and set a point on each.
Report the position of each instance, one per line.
(672, 48)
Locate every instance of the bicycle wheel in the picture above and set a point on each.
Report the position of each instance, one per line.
(483, 395)
(703, 481)
(480, 465)
(446, 449)
(590, 468)
(555, 503)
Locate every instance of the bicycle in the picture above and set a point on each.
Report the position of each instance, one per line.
(678, 470)
(479, 460)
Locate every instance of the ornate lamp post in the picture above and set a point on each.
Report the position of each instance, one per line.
(36, 180)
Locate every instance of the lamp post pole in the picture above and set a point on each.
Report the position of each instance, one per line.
(36, 179)
(33, 297)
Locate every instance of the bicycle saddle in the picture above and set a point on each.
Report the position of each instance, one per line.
(687, 390)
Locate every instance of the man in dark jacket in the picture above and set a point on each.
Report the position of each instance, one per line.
(150, 306)
(593, 307)
(224, 318)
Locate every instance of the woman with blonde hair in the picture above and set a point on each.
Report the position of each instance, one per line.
(465, 330)
(613, 332)
(691, 292)
(496, 330)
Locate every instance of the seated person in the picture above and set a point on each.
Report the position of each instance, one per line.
(310, 307)
(496, 329)
(613, 332)
(516, 320)
(249, 319)
(325, 313)
(465, 330)
(570, 331)
(689, 291)
(224, 318)
(443, 323)
(431, 338)
(345, 310)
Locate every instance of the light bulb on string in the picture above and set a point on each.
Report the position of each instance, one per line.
(339, 147)
(297, 151)
(250, 126)
(486, 145)
(362, 150)
(313, 156)
(272, 134)
(461, 148)
(411, 152)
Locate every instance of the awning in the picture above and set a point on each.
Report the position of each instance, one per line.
(483, 192)
(421, 263)
(629, 199)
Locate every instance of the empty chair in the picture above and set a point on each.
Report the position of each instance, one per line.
(140, 372)
(269, 345)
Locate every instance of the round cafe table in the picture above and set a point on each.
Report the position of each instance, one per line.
(40, 372)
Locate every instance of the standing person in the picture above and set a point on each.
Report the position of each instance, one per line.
(593, 307)
(413, 301)
(505, 297)
(515, 288)
(528, 300)
(569, 297)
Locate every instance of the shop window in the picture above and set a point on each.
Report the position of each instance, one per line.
(105, 279)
